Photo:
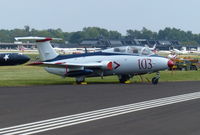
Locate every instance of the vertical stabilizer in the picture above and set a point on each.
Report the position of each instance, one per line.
(45, 49)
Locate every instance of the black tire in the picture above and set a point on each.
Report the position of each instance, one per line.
(78, 82)
(123, 78)
(154, 80)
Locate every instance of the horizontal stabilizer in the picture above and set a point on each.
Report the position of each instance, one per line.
(37, 39)
(44, 47)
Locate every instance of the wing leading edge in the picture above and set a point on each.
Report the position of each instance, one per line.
(104, 65)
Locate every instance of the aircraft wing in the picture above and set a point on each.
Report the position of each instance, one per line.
(91, 65)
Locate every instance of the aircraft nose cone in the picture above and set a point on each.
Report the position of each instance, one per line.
(170, 63)
(20, 59)
(25, 59)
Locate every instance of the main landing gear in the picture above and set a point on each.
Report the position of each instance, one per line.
(156, 78)
(80, 80)
(124, 78)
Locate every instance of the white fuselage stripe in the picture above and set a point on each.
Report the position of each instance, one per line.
(55, 123)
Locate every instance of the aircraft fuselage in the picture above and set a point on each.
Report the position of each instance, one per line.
(10, 59)
(121, 64)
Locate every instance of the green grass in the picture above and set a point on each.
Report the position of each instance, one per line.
(29, 75)
(26, 75)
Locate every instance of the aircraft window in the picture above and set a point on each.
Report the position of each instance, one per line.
(145, 51)
(116, 50)
(132, 50)
(135, 50)
(119, 50)
(138, 50)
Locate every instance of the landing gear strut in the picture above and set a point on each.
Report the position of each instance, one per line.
(80, 80)
(156, 78)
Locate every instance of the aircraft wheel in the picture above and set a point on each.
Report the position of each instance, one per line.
(123, 78)
(80, 80)
(155, 80)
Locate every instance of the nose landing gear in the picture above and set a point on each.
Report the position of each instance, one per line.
(156, 78)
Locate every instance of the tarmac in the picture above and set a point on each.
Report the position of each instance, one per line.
(21, 105)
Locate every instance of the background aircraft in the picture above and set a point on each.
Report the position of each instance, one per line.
(180, 51)
(122, 61)
(183, 50)
(75, 50)
(9, 59)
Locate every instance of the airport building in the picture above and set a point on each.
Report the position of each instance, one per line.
(102, 43)
(160, 44)
(16, 45)
(105, 43)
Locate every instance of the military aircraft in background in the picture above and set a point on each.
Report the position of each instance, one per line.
(183, 50)
(153, 48)
(125, 62)
(75, 50)
(11, 59)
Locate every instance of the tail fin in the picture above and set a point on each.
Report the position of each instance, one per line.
(154, 47)
(45, 49)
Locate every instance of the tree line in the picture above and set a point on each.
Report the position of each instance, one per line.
(185, 37)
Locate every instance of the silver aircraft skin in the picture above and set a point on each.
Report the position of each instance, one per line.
(125, 62)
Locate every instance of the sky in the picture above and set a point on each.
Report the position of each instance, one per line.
(120, 15)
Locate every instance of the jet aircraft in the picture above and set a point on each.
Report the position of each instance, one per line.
(125, 62)
(75, 50)
(10, 59)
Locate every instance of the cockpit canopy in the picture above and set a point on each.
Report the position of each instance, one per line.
(136, 50)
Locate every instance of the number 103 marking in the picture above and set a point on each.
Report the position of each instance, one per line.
(145, 64)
